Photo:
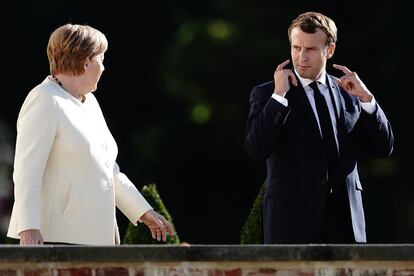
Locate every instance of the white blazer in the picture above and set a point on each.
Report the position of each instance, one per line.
(66, 179)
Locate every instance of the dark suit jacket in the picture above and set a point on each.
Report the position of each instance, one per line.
(288, 138)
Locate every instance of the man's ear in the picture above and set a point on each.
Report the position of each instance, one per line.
(331, 50)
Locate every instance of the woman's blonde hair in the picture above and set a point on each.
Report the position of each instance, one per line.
(70, 45)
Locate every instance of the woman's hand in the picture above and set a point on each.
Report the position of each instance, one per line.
(31, 237)
(158, 225)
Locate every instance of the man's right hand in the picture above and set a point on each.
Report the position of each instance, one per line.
(31, 237)
(283, 78)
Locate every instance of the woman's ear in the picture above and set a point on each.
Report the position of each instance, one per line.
(86, 63)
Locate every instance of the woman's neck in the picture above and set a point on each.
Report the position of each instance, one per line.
(69, 84)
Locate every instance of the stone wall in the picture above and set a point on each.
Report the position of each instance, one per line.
(213, 260)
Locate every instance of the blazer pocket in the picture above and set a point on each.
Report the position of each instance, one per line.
(358, 185)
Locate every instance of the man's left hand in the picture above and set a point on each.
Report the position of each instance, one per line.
(353, 85)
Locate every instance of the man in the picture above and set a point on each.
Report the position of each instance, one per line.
(311, 128)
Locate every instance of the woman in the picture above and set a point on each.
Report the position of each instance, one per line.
(67, 181)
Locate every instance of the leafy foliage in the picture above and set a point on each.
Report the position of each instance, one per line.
(140, 234)
(252, 229)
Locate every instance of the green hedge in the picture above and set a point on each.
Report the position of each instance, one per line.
(252, 229)
(141, 234)
(6, 240)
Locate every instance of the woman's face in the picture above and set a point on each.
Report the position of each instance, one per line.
(93, 70)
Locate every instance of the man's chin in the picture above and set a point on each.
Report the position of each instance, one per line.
(305, 74)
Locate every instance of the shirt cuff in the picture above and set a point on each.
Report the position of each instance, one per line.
(369, 107)
(280, 99)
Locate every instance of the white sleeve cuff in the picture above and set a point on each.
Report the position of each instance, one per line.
(280, 99)
(369, 107)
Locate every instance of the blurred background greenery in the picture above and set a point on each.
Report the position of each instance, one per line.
(175, 96)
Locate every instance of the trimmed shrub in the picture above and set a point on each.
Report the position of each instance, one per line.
(141, 234)
(6, 240)
(252, 229)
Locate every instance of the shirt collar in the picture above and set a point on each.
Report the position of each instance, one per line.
(306, 82)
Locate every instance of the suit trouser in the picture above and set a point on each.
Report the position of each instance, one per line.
(336, 226)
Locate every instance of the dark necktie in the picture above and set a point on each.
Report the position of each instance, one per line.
(328, 137)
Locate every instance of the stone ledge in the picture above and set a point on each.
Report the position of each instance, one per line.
(205, 253)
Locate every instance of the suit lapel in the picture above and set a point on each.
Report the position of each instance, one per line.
(340, 120)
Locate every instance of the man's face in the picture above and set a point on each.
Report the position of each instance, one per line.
(309, 52)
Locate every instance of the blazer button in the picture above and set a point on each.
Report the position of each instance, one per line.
(110, 183)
